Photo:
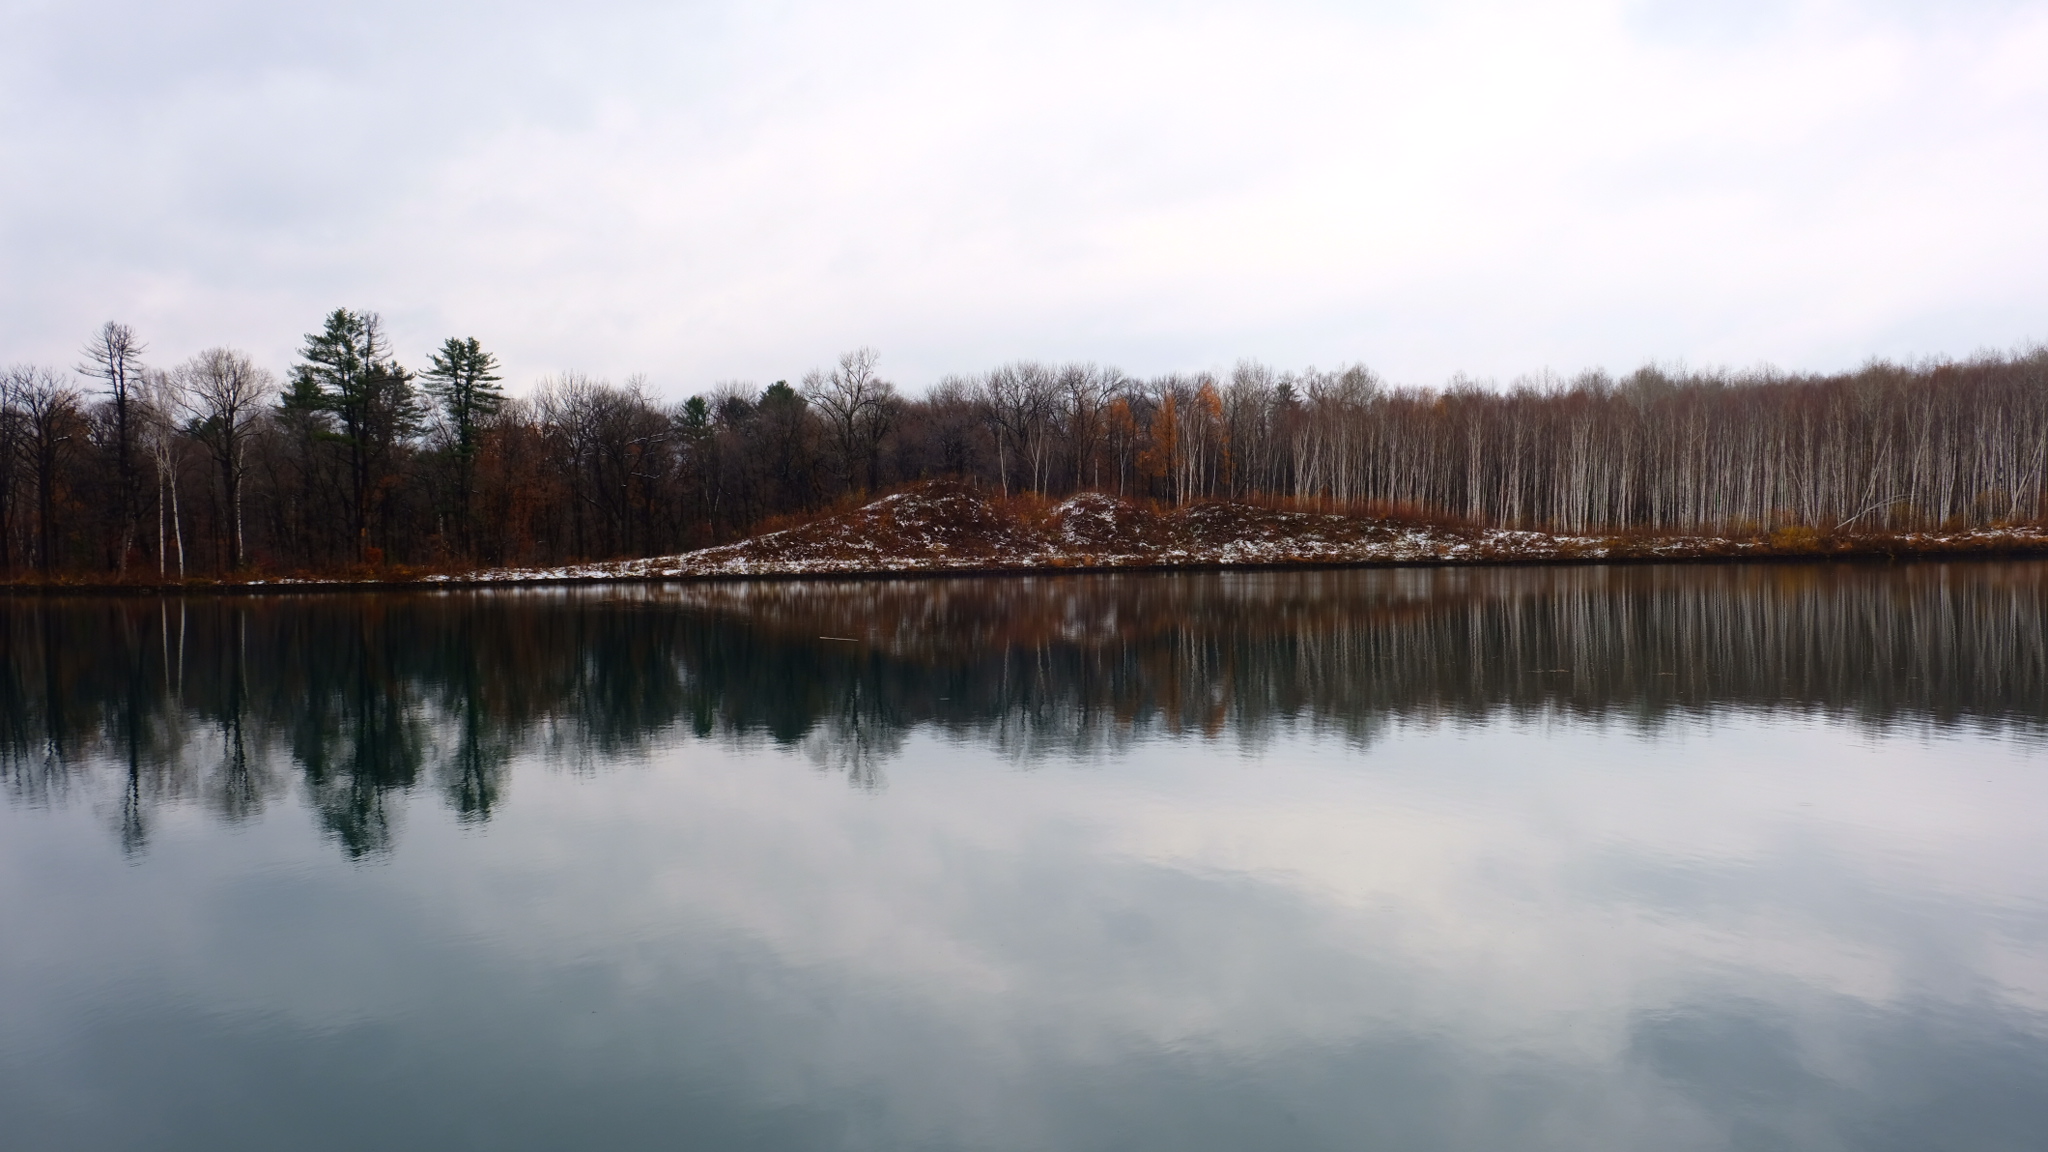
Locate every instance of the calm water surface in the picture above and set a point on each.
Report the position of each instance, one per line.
(1675, 858)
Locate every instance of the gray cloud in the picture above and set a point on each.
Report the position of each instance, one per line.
(707, 191)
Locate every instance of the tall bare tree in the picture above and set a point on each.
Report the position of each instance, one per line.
(227, 395)
(858, 407)
(160, 404)
(114, 358)
(1018, 403)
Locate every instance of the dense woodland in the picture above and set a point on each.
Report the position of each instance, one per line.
(121, 466)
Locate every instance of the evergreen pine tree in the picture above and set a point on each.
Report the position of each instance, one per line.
(347, 370)
(462, 378)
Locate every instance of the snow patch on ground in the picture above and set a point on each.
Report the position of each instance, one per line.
(942, 527)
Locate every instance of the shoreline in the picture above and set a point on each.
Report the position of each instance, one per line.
(2006, 545)
(940, 529)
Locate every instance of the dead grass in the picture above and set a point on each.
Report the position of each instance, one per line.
(1392, 514)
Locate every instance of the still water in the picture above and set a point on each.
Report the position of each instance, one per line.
(1600, 858)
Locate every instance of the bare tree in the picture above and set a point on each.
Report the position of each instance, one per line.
(858, 407)
(52, 420)
(114, 357)
(227, 393)
(161, 398)
(1019, 402)
(13, 440)
(613, 445)
(1084, 392)
(1041, 408)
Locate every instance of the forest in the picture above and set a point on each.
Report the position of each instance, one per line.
(125, 469)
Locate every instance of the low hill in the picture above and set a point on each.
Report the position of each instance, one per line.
(941, 526)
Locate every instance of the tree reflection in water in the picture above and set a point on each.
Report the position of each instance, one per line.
(223, 700)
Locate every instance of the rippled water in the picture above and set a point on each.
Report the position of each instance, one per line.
(1600, 858)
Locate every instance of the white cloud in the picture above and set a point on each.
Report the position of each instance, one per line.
(718, 191)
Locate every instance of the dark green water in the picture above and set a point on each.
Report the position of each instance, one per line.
(1675, 858)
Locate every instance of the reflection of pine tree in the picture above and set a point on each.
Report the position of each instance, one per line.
(357, 734)
(473, 776)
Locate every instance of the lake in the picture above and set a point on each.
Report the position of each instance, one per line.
(1714, 857)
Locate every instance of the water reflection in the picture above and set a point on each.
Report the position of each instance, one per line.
(219, 700)
(1558, 859)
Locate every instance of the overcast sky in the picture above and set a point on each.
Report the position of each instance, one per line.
(715, 191)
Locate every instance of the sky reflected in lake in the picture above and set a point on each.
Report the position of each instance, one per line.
(1702, 858)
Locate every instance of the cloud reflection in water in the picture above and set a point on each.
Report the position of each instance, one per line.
(1322, 860)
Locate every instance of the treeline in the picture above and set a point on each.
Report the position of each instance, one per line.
(351, 459)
